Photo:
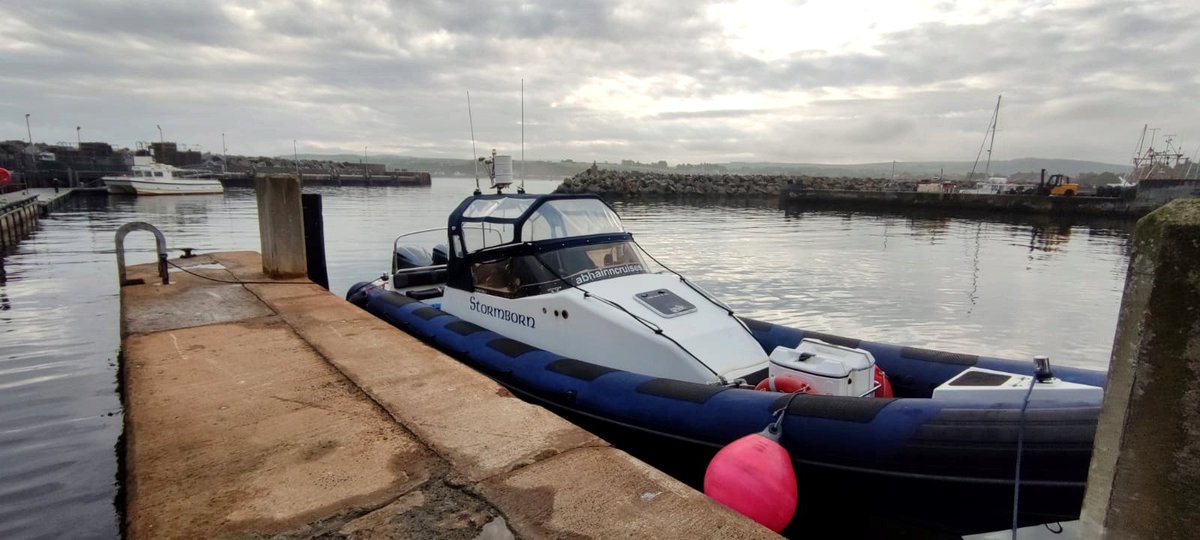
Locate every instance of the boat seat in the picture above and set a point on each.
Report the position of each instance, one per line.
(413, 277)
(425, 294)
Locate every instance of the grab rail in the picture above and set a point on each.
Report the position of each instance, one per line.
(160, 242)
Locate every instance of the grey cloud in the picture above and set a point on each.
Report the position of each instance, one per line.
(393, 76)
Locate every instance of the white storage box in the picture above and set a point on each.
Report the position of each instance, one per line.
(829, 369)
(976, 385)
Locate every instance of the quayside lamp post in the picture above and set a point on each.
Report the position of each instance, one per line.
(78, 140)
(31, 151)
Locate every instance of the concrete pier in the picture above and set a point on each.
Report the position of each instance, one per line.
(21, 210)
(277, 408)
(1144, 480)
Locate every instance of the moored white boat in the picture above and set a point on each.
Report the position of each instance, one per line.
(150, 178)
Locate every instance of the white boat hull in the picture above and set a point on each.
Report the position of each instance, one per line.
(703, 345)
(174, 186)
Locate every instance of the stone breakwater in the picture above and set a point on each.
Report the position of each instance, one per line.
(653, 183)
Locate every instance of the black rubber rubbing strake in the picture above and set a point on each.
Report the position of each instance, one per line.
(464, 328)
(394, 298)
(681, 390)
(758, 326)
(510, 347)
(941, 357)
(428, 313)
(834, 340)
(846, 408)
(578, 369)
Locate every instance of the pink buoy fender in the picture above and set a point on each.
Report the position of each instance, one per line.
(754, 476)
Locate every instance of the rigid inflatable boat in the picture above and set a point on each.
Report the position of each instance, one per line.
(552, 298)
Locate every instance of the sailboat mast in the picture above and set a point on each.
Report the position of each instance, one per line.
(987, 169)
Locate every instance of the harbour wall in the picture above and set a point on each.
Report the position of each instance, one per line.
(21, 210)
(875, 193)
(634, 183)
(17, 220)
(337, 179)
(1013, 204)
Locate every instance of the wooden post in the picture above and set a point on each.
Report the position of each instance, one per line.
(314, 239)
(1144, 480)
(281, 226)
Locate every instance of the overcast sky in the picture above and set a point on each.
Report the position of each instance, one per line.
(833, 81)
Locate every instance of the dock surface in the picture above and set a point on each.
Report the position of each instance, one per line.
(263, 409)
(44, 195)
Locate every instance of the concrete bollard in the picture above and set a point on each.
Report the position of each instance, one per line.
(1144, 479)
(281, 226)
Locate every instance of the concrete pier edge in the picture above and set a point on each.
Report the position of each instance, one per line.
(1143, 478)
(267, 409)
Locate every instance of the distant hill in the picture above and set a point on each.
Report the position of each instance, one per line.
(904, 169)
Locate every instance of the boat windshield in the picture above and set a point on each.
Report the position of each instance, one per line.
(493, 222)
(571, 217)
(531, 275)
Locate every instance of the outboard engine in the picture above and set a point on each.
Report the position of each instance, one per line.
(416, 266)
(441, 255)
(411, 257)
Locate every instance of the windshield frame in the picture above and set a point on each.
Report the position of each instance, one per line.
(463, 257)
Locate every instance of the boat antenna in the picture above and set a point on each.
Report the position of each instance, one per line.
(522, 188)
(474, 156)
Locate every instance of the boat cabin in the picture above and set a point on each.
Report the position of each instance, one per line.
(561, 273)
(515, 246)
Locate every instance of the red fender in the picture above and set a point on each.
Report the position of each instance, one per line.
(787, 384)
(885, 386)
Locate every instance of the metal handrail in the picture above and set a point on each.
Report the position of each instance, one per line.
(160, 242)
(396, 242)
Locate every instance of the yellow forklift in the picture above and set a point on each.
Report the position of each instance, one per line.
(1058, 185)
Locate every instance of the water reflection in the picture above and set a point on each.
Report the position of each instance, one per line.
(962, 282)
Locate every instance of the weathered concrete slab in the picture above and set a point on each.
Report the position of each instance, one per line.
(624, 497)
(467, 418)
(242, 428)
(182, 304)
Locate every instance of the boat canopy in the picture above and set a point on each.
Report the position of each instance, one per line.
(521, 245)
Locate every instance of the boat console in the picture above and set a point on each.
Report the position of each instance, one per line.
(560, 272)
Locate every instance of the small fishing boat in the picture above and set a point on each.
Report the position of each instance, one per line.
(550, 296)
(150, 178)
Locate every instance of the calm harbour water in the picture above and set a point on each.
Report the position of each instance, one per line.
(1008, 288)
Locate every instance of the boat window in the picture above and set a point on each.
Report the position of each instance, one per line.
(158, 173)
(137, 173)
(497, 208)
(477, 236)
(571, 217)
(531, 275)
